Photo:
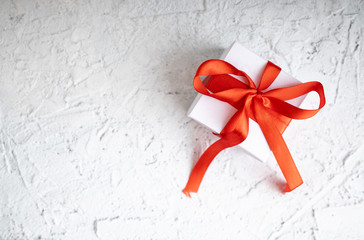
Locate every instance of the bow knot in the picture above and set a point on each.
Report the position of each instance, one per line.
(267, 108)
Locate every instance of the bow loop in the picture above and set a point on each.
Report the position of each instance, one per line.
(270, 73)
(288, 93)
(235, 96)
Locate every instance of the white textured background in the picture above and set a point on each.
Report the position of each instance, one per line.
(95, 142)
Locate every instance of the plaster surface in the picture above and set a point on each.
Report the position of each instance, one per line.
(94, 138)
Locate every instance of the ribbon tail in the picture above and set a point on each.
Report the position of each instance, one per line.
(199, 170)
(278, 147)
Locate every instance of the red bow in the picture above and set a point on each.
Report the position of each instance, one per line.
(268, 109)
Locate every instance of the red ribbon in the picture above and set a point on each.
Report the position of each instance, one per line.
(267, 108)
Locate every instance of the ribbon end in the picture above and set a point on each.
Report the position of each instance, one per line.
(187, 193)
(288, 189)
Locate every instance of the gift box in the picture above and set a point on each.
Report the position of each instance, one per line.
(249, 101)
(215, 114)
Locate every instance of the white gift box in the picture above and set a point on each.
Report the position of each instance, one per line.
(214, 113)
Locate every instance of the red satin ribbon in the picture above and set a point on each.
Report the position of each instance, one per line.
(267, 108)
